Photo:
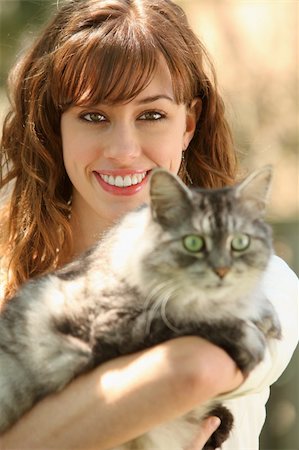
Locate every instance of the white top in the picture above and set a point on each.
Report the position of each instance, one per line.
(282, 288)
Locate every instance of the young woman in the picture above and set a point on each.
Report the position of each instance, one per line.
(111, 90)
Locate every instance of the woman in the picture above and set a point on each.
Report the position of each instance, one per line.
(111, 90)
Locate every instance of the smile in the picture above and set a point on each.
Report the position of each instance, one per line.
(126, 181)
(122, 183)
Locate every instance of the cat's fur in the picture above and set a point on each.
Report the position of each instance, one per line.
(139, 287)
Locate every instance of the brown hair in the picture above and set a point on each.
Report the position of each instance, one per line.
(100, 50)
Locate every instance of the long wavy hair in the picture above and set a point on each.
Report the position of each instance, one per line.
(96, 50)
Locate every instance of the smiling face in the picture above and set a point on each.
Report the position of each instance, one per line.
(109, 149)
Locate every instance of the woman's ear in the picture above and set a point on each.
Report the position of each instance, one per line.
(192, 116)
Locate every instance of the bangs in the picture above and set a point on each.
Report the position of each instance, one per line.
(103, 67)
(114, 61)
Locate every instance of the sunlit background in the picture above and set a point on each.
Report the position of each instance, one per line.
(254, 46)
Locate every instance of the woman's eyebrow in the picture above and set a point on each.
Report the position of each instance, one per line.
(154, 98)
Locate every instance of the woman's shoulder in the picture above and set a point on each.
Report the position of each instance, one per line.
(278, 271)
(281, 287)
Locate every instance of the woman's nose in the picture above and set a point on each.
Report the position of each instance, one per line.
(123, 145)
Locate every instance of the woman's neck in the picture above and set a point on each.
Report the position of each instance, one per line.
(86, 232)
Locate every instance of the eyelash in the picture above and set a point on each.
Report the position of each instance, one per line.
(84, 117)
(146, 114)
(153, 113)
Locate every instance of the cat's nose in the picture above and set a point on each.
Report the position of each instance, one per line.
(221, 271)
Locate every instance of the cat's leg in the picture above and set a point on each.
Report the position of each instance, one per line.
(242, 340)
(248, 351)
(122, 332)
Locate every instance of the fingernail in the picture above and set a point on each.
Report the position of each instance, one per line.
(215, 422)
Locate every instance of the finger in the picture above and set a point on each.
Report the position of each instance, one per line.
(207, 428)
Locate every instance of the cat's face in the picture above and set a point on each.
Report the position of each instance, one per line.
(210, 239)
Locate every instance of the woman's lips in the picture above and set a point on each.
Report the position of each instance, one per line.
(122, 182)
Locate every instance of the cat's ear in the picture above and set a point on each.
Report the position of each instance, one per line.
(170, 198)
(255, 188)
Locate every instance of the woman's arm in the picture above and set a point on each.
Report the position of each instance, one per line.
(126, 397)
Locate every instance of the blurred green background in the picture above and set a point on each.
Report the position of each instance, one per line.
(254, 46)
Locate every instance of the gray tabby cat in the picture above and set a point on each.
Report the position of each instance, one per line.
(191, 263)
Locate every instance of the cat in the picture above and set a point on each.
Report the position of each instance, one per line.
(189, 263)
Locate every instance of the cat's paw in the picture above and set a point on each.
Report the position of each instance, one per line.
(269, 326)
(251, 348)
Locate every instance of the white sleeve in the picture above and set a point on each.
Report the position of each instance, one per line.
(247, 403)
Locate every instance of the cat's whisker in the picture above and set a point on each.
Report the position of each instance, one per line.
(155, 298)
(163, 314)
(149, 298)
(156, 292)
(167, 291)
(151, 316)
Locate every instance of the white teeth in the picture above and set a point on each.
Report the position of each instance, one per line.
(125, 181)
(119, 182)
(110, 180)
(134, 179)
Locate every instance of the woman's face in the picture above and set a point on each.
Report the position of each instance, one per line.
(109, 150)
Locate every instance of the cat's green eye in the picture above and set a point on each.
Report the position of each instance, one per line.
(240, 242)
(194, 243)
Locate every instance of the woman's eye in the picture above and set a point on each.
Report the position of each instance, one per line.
(152, 116)
(194, 243)
(240, 242)
(93, 117)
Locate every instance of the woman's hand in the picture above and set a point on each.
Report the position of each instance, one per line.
(207, 428)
